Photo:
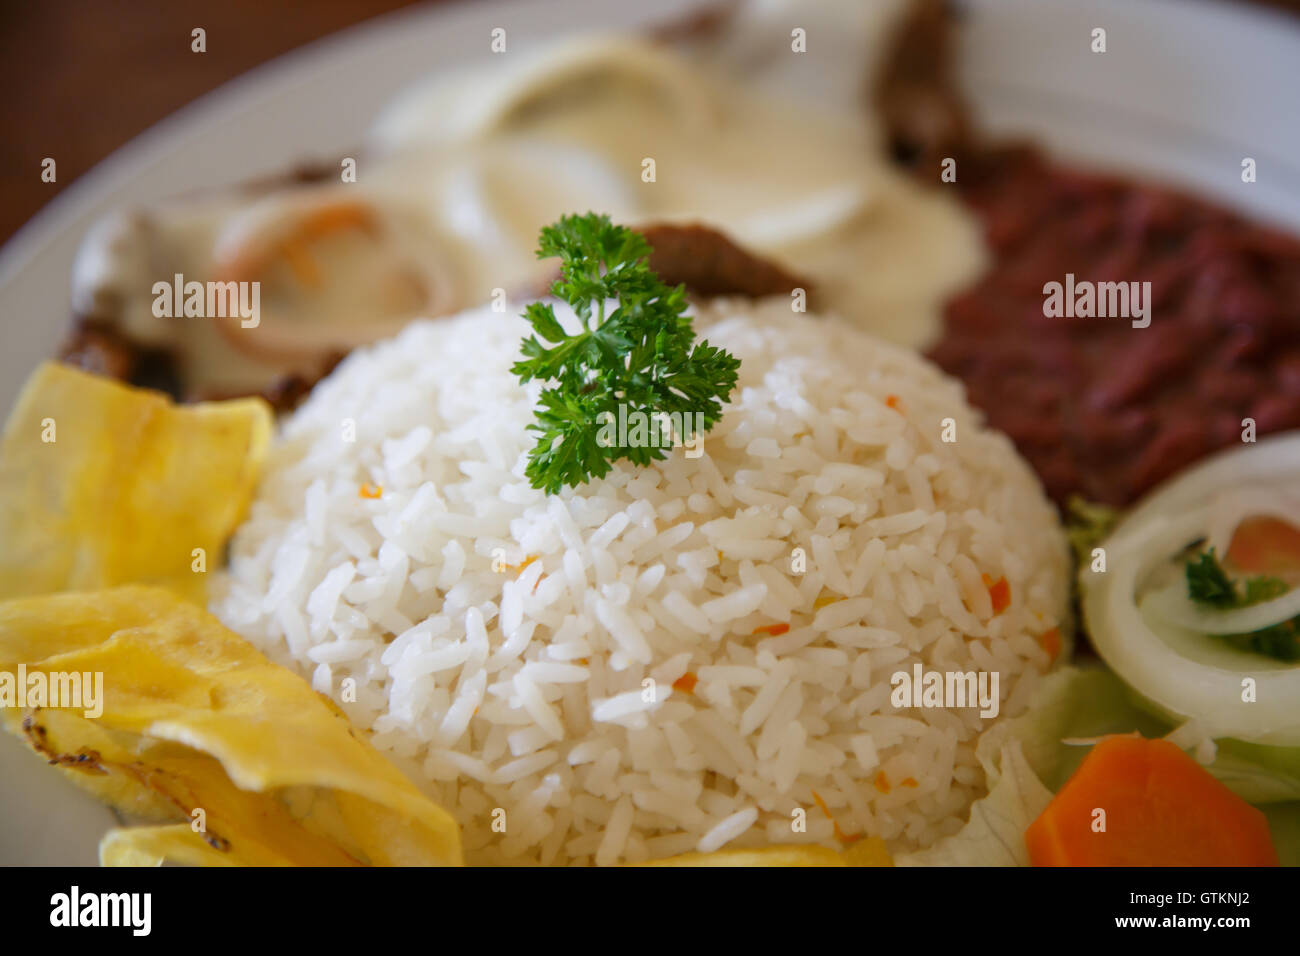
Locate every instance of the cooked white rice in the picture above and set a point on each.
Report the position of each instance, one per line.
(524, 689)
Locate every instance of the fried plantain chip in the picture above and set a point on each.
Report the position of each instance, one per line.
(866, 852)
(195, 719)
(104, 484)
(869, 851)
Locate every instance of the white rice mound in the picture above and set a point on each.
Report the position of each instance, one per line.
(517, 653)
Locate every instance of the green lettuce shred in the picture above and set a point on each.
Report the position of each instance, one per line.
(1026, 759)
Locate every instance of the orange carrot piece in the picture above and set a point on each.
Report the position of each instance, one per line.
(1161, 807)
(893, 402)
(999, 593)
(367, 490)
(686, 682)
(881, 782)
(775, 630)
(840, 835)
(1051, 642)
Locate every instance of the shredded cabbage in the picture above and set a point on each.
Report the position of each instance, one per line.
(1028, 757)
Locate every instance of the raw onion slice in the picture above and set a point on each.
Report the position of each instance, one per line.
(1185, 674)
(415, 278)
(1173, 605)
(466, 105)
(1232, 509)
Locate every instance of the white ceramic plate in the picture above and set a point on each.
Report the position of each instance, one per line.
(1186, 90)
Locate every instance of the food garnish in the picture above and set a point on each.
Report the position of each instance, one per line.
(642, 354)
(1161, 808)
(1142, 618)
(1209, 584)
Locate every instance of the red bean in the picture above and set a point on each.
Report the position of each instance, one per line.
(1098, 407)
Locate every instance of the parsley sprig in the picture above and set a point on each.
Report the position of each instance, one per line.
(643, 354)
(1208, 583)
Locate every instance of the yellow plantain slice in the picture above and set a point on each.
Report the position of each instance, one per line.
(159, 780)
(869, 851)
(195, 719)
(104, 484)
(151, 846)
(865, 852)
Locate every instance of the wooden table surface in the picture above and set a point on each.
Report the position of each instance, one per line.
(81, 77)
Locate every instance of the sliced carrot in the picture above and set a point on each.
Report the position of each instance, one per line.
(1161, 808)
(881, 782)
(686, 683)
(528, 559)
(999, 593)
(776, 630)
(367, 490)
(893, 402)
(908, 782)
(1051, 642)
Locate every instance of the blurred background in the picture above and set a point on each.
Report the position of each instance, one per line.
(83, 77)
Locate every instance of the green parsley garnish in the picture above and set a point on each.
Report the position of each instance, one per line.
(1208, 583)
(642, 355)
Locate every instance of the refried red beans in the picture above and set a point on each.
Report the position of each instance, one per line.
(1099, 408)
